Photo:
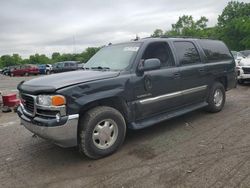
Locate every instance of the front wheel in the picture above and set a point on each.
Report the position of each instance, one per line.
(216, 98)
(102, 131)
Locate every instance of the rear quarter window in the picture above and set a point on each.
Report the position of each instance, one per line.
(215, 50)
(187, 52)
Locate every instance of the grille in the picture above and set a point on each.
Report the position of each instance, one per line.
(246, 70)
(28, 103)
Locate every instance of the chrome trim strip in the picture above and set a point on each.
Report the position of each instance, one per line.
(193, 90)
(73, 116)
(161, 97)
(172, 95)
(25, 111)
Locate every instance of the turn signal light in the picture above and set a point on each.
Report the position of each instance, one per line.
(58, 100)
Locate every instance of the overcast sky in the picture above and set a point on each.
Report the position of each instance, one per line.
(67, 26)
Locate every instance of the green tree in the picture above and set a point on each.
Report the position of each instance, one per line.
(7, 60)
(187, 26)
(1, 63)
(39, 59)
(17, 59)
(158, 33)
(55, 56)
(234, 25)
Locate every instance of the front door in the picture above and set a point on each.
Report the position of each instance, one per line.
(157, 91)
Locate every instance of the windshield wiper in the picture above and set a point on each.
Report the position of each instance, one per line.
(101, 68)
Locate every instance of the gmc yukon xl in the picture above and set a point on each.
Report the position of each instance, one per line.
(127, 86)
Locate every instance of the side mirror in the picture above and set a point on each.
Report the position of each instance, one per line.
(149, 64)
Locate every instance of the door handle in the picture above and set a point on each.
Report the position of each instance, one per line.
(176, 75)
(202, 70)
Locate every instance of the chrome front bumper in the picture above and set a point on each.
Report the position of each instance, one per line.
(63, 133)
(242, 75)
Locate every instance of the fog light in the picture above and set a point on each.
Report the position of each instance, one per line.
(58, 117)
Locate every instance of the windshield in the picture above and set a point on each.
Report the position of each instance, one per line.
(114, 57)
(245, 52)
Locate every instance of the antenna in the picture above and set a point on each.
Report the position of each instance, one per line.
(74, 45)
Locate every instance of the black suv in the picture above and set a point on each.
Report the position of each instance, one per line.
(130, 85)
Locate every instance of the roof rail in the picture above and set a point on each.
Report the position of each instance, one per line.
(183, 37)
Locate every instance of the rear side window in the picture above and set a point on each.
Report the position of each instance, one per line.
(187, 53)
(215, 50)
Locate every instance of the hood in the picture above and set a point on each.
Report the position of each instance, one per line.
(50, 83)
(245, 62)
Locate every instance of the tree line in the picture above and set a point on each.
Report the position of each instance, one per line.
(16, 59)
(233, 27)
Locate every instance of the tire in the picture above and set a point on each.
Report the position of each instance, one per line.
(216, 98)
(240, 81)
(26, 74)
(48, 72)
(90, 132)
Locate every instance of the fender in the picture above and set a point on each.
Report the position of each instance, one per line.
(83, 94)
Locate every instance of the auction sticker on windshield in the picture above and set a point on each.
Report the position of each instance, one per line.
(131, 49)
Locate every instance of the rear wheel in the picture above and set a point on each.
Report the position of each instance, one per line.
(101, 132)
(216, 98)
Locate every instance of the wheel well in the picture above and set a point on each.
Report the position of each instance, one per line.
(114, 102)
(223, 81)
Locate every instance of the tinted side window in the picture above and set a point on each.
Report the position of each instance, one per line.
(215, 50)
(161, 51)
(187, 53)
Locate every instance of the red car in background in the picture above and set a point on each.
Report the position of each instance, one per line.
(25, 70)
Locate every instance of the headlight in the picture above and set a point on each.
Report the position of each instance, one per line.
(47, 100)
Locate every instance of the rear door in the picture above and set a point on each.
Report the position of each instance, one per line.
(193, 75)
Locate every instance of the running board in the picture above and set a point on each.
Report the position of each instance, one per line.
(165, 116)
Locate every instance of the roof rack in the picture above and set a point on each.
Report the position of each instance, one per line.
(183, 37)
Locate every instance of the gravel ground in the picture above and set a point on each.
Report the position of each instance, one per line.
(198, 149)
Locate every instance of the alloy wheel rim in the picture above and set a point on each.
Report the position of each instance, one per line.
(105, 134)
(218, 97)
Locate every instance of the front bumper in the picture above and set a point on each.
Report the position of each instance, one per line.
(62, 132)
(241, 74)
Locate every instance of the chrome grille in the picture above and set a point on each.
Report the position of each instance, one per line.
(28, 103)
(246, 70)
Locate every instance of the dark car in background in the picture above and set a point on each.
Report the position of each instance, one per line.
(4, 70)
(42, 69)
(24, 70)
(65, 66)
(7, 70)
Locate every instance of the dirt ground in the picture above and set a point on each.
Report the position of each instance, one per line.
(198, 149)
